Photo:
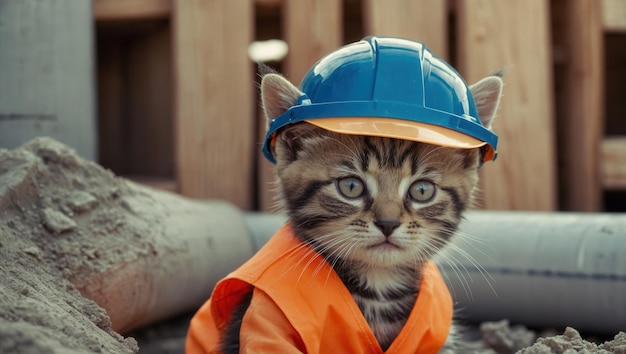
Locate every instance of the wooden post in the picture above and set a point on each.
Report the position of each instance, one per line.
(514, 34)
(312, 29)
(421, 20)
(213, 99)
(580, 102)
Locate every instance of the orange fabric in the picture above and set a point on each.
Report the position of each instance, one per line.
(301, 306)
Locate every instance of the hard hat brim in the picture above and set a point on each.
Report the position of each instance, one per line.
(402, 129)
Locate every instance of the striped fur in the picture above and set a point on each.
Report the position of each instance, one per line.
(376, 241)
(382, 277)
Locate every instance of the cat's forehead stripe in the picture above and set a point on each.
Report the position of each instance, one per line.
(389, 153)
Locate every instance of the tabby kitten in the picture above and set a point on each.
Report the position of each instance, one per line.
(375, 208)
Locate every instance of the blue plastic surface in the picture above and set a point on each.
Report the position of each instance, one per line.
(385, 77)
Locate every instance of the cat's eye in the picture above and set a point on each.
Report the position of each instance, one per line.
(350, 187)
(422, 191)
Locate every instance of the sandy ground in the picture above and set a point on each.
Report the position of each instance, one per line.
(63, 224)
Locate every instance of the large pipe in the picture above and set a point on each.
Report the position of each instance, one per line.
(185, 247)
(537, 269)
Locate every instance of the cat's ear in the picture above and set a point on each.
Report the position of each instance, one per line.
(487, 93)
(277, 95)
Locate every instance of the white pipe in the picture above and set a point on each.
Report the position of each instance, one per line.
(186, 247)
(538, 269)
(545, 269)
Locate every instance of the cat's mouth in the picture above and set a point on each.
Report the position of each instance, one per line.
(385, 244)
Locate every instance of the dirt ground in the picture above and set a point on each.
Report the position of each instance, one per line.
(65, 231)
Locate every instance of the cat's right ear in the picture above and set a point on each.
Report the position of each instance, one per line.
(277, 95)
(487, 93)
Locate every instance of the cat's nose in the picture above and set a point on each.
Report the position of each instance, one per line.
(387, 226)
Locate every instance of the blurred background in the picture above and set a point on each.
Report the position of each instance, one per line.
(164, 92)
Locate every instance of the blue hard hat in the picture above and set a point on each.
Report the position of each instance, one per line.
(389, 87)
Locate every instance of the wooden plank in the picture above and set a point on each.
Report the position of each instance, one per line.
(495, 34)
(213, 99)
(111, 10)
(422, 20)
(580, 101)
(312, 29)
(614, 163)
(614, 15)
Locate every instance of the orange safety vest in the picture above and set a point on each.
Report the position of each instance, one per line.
(300, 305)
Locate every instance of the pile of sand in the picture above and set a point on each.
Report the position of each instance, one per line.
(571, 342)
(502, 338)
(49, 236)
(85, 255)
(75, 239)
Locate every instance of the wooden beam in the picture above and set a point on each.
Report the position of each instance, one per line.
(213, 99)
(108, 10)
(614, 163)
(614, 15)
(580, 102)
(514, 34)
(312, 29)
(422, 20)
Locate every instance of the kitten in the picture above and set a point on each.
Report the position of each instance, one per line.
(375, 208)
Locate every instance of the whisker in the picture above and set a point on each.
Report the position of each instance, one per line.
(459, 265)
(328, 246)
(323, 244)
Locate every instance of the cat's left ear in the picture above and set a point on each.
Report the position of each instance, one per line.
(277, 95)
(487, 93)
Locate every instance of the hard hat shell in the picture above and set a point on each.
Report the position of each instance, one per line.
(388, 87)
